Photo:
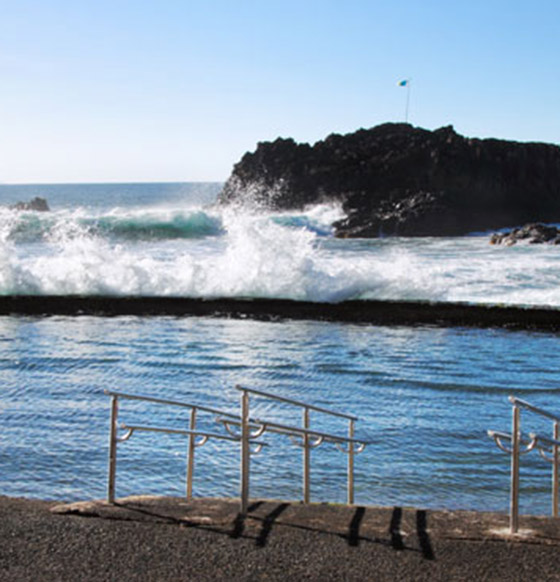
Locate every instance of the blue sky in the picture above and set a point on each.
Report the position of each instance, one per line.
(116, 90)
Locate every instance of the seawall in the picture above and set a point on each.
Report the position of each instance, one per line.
(374, 312)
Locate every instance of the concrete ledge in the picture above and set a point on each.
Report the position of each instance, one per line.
(357, 311)
(396, 524)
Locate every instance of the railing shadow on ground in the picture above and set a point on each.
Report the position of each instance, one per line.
(236, 528)
(242, 524)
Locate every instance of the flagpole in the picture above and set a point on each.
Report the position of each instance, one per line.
(406, 83)
(407, 100)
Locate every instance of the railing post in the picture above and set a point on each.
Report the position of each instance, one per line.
(306, 456)
(190, 458)
(245, 452)
(351, 463)
(514, 492)
(112, 449)
(555, 435)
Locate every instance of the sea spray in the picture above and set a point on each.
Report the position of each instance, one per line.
(318, 219)
(264, 259)
(216, 251)
(139, 251)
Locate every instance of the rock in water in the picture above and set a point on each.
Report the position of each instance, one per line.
(396, 179)
(531, 233)
(37, 203)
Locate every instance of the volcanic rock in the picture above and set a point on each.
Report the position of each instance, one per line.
(38, 204)
(531, 233)
(396, 179)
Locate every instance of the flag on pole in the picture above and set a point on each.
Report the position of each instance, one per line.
(406, 83)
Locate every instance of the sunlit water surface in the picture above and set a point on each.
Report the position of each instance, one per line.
(424, 396)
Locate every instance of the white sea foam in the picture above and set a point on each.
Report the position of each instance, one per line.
(257, 254)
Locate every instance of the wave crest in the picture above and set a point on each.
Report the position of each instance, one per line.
(117, 224)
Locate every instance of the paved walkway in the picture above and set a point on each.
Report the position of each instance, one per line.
(160, 539)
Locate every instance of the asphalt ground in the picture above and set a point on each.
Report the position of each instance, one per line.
(163, 539)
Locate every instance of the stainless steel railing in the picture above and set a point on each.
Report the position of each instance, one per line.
(192, 434)
(520, 446)
(242, 429)
(303, 436)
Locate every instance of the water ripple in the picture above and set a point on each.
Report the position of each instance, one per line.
(425, 397)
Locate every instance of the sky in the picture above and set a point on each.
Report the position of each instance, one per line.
(153, 91)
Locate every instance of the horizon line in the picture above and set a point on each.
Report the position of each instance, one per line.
(104, 183)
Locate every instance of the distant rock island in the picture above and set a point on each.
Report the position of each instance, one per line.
(396, 179)
(36, 204)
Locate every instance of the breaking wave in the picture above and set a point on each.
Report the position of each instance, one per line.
(117, 224)
(212, 251)
(163, 251)
(146, 224)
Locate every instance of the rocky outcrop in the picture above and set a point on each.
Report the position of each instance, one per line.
(38, 204)
(396, 179)
(531, 233)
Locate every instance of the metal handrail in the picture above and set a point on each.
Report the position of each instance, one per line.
(547, 441)
(190, 433)
(131, 428)
(114, 439)
(523, 403)
(515, 452)
(500, 436)
(307, 435)
(285, 429)
(297, 403)
(169, 402)
(553, 445)
(251, 428)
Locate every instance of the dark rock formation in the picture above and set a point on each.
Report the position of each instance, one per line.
(396, 179)
(37, 203)
(531, 233)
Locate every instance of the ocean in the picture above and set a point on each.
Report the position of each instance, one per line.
(425, 395)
